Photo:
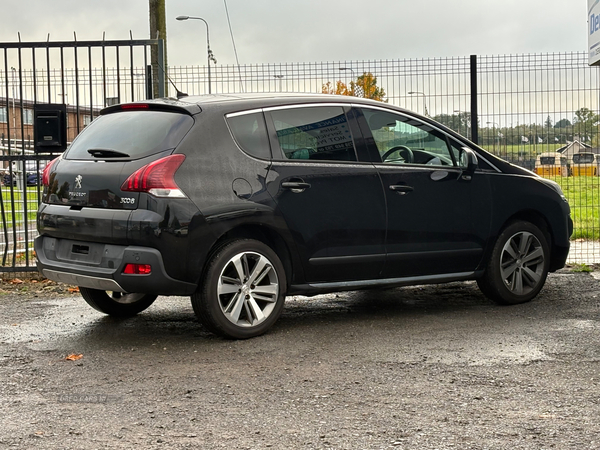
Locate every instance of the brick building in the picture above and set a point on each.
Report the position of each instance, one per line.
(16, 121)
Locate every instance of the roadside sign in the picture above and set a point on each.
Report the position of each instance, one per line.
(593, 32)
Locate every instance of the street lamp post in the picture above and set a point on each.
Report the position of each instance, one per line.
(358, 91)
(211, 57)
(279, 77)
(424, 100)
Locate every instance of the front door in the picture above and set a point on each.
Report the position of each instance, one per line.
(431, 228)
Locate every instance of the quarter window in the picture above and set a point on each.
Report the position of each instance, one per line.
(314, 133)
(250, 133)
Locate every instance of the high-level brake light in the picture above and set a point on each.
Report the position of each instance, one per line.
(135, 106)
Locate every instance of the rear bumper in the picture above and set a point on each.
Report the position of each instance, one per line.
(100, 266)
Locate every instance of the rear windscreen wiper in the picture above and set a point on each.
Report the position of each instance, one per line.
(106, 153)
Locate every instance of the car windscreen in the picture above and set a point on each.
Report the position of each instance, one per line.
(583, 158)
(131, 134)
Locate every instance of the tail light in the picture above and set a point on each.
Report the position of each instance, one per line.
(47, 170)
(137, 269)
(156, 178)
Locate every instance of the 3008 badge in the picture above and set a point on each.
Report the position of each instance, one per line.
(128, 200)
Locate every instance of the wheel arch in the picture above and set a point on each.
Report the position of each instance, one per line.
(539, 220)
(536, 218)
(261, 233)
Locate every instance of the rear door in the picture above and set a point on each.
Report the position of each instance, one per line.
(332, 203)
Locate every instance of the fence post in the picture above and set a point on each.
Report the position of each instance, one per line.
(149, 82)
(474, 94)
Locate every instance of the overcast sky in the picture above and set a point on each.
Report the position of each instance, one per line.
(273, 31)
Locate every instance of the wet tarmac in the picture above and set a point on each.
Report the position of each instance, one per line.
(424, 367)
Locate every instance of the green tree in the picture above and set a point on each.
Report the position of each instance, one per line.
(452, 121)
(562, 123)
(585, 125)
(460, 122)
(585, 115)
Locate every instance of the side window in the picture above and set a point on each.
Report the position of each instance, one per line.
(314, 133)
(250, 133)
(404, 140)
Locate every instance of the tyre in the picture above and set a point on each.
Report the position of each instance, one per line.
(117, 304)
(518, 266)
(242, 291)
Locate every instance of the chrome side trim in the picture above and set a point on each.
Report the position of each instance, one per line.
(103, 284)
(407, 281)
(305, 105)
(280, 107)
(243, 113)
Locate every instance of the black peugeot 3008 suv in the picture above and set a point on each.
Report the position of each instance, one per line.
(240, 200)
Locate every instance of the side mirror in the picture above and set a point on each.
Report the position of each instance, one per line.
(468, 162)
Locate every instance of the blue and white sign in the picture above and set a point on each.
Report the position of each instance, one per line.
(593, 32)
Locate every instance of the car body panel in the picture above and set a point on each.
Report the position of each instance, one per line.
(338, 222)
(431, 227)
(348, 230)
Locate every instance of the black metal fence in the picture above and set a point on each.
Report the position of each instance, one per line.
(85, 76)
(516, 106)
(524, 108)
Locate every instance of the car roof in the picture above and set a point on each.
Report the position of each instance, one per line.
(265, 97)
(195, 103)
(238, 102)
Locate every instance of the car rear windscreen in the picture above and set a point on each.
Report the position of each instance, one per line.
(134, 133)
(547, 160)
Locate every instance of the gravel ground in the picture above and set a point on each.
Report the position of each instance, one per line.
(427, 367)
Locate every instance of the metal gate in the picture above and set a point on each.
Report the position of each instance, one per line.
(85, 76)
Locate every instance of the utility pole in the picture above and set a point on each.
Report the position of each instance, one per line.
(158, 30)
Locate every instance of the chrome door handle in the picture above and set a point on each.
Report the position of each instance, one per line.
(401, 189)
(295, 185)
